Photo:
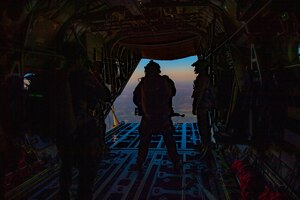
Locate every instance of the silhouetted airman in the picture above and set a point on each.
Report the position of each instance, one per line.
(153, 97)
(202, 101)
(83, 146)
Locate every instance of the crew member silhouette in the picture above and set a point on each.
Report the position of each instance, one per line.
(83, 146)
(202, 101)
(153, 97)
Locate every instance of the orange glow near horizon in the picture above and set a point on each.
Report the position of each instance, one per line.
(178, 70)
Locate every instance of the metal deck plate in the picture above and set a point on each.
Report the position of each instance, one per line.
(117, 177)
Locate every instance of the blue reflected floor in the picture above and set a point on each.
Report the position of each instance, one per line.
(118, 179)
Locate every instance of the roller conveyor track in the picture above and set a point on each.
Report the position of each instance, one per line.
(118, 179)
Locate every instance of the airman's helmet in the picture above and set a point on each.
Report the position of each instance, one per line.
(152, 68)
(200, 66)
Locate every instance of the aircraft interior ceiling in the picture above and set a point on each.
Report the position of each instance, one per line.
(41, 33)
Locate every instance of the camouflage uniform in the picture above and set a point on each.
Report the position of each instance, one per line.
(83, 145)
(202, 101)
(200, 107)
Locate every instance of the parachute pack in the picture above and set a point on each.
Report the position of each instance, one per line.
(156, 93)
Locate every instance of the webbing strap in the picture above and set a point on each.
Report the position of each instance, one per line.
(143, 97)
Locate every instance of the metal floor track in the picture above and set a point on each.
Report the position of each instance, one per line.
(118, 179)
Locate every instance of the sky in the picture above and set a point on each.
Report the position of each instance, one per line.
(178, 70)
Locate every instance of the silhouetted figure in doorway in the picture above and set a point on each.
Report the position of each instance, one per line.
(202, 101)
(83, 146)
(153, 97)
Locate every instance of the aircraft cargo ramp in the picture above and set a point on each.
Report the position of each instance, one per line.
(201, 178)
